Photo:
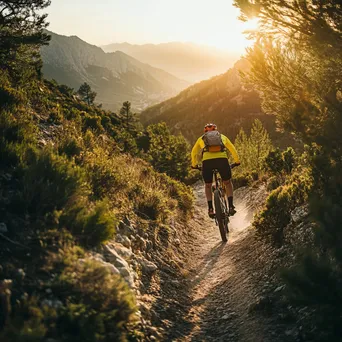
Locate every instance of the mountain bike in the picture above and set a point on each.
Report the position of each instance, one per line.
(220, 204)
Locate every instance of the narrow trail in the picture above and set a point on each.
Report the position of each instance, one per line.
(224, 280)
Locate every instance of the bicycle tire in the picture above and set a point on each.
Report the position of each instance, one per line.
(220, 216)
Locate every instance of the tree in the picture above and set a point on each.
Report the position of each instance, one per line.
(21, 35)
(86, 94)
(128, 115)
(297, 68)
(254, 148)
(168, 153)
(259, 144)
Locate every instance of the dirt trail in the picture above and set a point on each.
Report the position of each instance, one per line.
(224, 280)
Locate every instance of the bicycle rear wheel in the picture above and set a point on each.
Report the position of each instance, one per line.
(220, 215)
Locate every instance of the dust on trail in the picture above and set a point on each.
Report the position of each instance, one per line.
(224, 279)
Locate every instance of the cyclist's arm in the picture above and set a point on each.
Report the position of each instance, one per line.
(231, 148)
(194, 153)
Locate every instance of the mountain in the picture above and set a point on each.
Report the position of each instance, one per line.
(116, 77)
(222, 99)
(185, 60)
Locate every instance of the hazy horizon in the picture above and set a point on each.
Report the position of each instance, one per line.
(212, 24)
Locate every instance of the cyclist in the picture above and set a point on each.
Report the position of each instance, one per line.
(214, 146)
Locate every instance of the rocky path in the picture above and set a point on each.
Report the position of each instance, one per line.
(225, 281)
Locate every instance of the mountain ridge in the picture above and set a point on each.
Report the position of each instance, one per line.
(189, 61)
(116, 77)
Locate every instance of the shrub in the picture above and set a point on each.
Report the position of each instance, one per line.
(242, 180)
(48, 182)
(100, 304)
(71, 147)
(276, 215)
(273, 183)
(92, 122)
(151, 206)
(93, 305)
(91, 227)
(274, 162)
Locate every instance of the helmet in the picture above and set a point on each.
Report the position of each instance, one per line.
(210, 127)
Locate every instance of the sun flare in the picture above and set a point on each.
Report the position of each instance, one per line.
(251, 25)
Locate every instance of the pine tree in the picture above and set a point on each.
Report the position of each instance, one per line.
(86, 93)
(21, 35)
(254, 148)
(259, 145)
(128, 115)
(168, 153)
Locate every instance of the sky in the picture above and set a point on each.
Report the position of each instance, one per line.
(100, 22)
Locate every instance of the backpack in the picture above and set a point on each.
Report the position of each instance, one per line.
(213, 142)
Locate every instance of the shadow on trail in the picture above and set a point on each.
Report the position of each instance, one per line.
(208, 262)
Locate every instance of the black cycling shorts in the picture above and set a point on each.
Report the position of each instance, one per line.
(221, 164)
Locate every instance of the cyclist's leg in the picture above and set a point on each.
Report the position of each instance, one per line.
(207, 174)
(226, 175)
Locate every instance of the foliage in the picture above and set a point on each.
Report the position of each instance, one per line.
(127, 115)
(168, 153)
(276, 215)
(277, 162)
(88, 304)
(253, 149)
(297, 67)
(86, 94)
(21, 35)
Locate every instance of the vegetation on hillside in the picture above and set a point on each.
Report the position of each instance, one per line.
(297, 67)
(69, 171)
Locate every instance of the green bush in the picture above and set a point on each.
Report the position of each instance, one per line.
(94, 305)
(151, 206)
(48, 182)
(276, 215)
(71, 147)
(242, 180)
(273, 183)
(274, 162)
(90, 227)
(93, 122)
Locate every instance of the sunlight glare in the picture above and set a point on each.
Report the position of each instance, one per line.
(251, 25)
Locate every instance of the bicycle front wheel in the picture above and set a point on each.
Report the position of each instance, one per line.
(220, 215)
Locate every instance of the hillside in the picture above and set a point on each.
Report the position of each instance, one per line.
(116, 77)
(185, 60)
(222, 100)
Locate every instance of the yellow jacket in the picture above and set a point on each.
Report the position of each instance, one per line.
(197, 157)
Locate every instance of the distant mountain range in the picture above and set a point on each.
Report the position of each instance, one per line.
(116, 77)
(223, 100)
(185, 60)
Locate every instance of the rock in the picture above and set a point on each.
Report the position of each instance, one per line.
(125, 229)
(124, 271)
(3, 228)
(148, 266)
(121, 263)
(149, 245)
(110, 253)
(123, 251)
(279, 288)
(177, 242)
(141, 242)
(126, 242)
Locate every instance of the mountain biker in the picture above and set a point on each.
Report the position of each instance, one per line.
(214, 156)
